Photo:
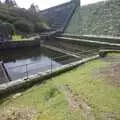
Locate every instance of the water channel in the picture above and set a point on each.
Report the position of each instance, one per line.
(24, 62)
(21, 63)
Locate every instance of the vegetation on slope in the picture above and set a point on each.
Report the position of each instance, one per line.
(102, 18)
(22, 21)
(86, 93)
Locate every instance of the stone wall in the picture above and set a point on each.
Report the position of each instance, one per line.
(102, 18)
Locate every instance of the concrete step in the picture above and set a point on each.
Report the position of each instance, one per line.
(94, 38)
(90, 42)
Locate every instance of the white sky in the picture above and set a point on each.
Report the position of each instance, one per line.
(43, 4)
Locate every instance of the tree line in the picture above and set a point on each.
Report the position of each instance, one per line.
(15, 20)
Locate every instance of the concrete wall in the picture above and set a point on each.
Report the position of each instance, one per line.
(18, 44)
(3, 74)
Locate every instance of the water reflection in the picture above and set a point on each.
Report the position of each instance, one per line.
(23, 62)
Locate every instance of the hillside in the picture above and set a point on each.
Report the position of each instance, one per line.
(21, 19)
(102, 18)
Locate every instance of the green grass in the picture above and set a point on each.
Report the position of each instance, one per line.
(87, 81)
(17, 38)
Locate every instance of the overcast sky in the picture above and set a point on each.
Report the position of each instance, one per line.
(43, 4)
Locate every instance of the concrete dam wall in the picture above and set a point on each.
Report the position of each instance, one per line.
(102, 18)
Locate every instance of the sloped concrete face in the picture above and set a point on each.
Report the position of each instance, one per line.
(58, 16)
(77, 2)
(3, 75)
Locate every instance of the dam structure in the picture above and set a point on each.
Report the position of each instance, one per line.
(59, 16)
(81, 36)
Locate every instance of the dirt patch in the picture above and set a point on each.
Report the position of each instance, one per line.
(110, 116)
(111, 59)
(17, 114)
(112, 74)
(77, 103)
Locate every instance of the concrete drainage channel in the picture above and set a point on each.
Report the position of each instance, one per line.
(22, 84)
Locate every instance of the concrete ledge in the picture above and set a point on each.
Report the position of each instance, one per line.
(103, 53)
(95, 38)
(15, 86)
(90, 42)
(59, 50)
(18, 44)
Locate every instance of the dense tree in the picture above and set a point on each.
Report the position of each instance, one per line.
(24, 21)
(40, 27)
(6, 31)
(24, 26)
(34, 9)
(10, 2)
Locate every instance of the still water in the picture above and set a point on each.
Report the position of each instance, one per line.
(21, 63)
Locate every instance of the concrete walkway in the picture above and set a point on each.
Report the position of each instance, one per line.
(59, 50)
(107, 44)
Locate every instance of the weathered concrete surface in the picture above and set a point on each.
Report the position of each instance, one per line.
(73, 47)
(14, 86)
(60, 50)
(90, 43)
(3, 74)
(59, 16)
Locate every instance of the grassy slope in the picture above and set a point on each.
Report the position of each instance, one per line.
(102, 18)
(51, 103)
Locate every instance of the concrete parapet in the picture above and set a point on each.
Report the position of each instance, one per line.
(90, 42)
